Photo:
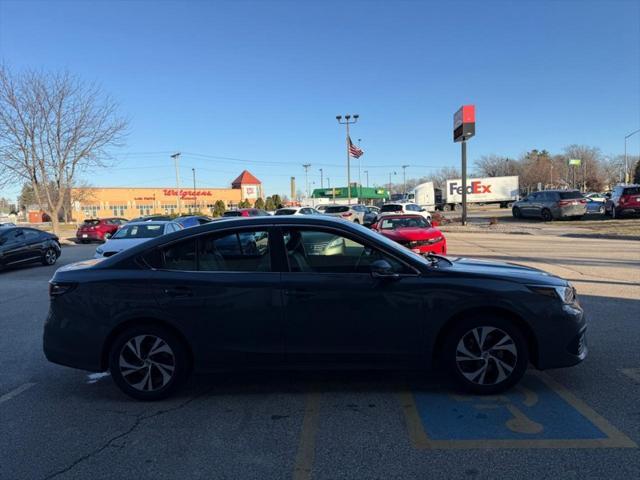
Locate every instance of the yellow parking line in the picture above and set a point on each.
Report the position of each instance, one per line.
(615, 438)
(307, 448)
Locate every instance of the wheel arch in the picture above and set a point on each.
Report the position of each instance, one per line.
(525, 328)
(132, 322)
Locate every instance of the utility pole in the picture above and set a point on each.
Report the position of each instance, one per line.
(404, 179)
(626, 162)
(195, 197)
(321, 180)
(176, 158)
(347, 122)
(306, 178)
(366, 172)
(390, 173)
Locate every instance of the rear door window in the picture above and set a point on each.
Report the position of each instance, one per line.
(391, 208)
(337, 209)
(570, 195)
(245, 251)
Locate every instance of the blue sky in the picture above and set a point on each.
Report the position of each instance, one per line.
(263, 81)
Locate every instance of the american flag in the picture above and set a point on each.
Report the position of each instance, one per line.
(354, 150)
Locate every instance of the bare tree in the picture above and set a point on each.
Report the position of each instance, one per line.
(53, 127)
(495, 166)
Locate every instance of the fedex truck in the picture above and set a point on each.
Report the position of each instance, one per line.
(497, 190)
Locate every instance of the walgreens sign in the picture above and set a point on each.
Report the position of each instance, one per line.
(186, 193)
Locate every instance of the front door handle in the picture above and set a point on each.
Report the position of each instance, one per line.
(178, 291)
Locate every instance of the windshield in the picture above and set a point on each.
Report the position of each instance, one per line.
(91, 222)
(286, 211)
(337, 209)
(570, 195)
(391, 208)
(147, 230)
(394, 223)
(631, 191)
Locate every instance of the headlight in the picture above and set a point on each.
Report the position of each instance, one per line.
(99, 250)
(436, 240)
(565, 294)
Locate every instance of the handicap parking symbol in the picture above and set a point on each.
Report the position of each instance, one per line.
(537, 413)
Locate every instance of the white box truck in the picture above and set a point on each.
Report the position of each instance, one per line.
(487, 190)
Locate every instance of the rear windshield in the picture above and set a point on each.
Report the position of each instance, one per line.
(285, 211)
(391, 208)
(338, 209)
(233, 213)
(570, 195)
(91, 222)
(631, 191)
(147, 230)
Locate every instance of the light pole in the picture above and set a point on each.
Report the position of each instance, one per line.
(404, 179)
(176, 158)
(366, 172)
(626, 162)
(359, 176)
(306, 178)
(195, 197)
(390, 173)
(321, 179)
(347, 122)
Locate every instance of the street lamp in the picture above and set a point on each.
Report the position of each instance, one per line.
(321, 179)
(626, 163)
(306, 178)
(366, 172)
(404, 179)
(391, 173)
(348, 121)
(176, 157)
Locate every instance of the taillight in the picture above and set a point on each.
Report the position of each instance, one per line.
(583, 201)
(348, 214)
(60, 288)
(564, 203)
(623, 199)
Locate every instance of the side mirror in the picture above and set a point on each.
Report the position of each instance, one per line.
(383, 269)
(374, 226)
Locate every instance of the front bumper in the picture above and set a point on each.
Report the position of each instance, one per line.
(565, 344)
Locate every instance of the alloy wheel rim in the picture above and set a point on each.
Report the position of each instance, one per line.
(50, 257)
(486, 355)
(147, 363)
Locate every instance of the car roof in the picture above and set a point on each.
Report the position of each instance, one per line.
(151, 222)
(403, 215)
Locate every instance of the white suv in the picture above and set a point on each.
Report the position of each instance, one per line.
(396, 208)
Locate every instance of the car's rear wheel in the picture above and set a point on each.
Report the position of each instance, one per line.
(148, 362)
(614, 212)
(485, 354)
(546, 215)
(50, 257)
(601, 209)
(516, 212)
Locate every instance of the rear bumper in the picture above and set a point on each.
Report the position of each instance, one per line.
(89, 236)
(573, 211)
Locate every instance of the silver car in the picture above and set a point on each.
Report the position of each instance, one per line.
(551, 205)
(351, 213)
(134, 233)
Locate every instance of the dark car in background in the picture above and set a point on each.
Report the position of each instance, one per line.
(98, 229)
(20, 246)
(246, 212)
(625, 199)
(551, 205)
(305, 291)
(192, 220)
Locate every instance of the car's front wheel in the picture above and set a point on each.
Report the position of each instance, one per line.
(148, 362)
(516, 212)
(50, 257)
(486, 355)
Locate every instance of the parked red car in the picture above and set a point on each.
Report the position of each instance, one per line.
(98, 229)
(414, 232)
(624, 199)
(245, 212)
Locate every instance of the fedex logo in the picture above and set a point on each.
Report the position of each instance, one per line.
(474, 187)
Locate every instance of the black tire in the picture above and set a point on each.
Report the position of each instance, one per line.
(356, 221)
(615, 214)
(547, 216)
(49, 257)
(516, 212)
(149, 374)
(462, 333)
(601, 210)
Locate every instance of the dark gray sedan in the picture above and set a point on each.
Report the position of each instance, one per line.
(551, 205)
(305, 292)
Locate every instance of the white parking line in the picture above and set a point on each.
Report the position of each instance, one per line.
(94, 377)
(15, 392)
(633, 373)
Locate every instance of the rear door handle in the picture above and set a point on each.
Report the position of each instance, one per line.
(178, 291)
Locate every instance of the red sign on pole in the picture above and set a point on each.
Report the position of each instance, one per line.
(464, 123)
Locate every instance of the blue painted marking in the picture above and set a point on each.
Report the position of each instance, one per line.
(533, 411)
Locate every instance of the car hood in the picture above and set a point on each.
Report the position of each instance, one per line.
(411, 234)
(117, 244)
(507, 271)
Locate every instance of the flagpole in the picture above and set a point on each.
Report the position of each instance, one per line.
(347, 122)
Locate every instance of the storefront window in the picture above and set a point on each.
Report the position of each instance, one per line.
(90, 211)
(118, 210)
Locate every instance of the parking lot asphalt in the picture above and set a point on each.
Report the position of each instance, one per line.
(582, 422)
